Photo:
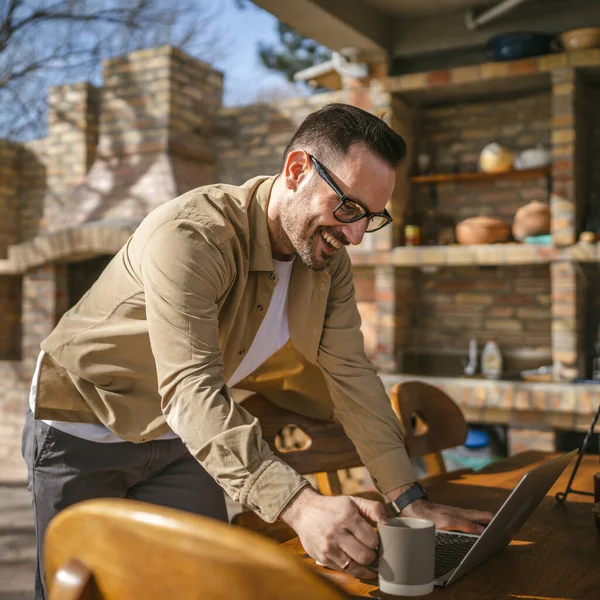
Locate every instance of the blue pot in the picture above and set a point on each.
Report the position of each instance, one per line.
(512, 46)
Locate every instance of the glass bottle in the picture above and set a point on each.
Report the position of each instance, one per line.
(412, 227)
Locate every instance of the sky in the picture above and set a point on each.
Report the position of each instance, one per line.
(245, 77)
(223, 35)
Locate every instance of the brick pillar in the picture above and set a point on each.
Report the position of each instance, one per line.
(9, 195)
(195, 100)
(564, 201)
(404, 122)
(44, 299)
(568, 187)
(393, 294)
(159, 100)
(393, 285)
(565, 338)
(71, 143)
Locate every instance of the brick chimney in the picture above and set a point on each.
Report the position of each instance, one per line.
(157, 110)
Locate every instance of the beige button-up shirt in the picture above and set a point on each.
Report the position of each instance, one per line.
(151, 344)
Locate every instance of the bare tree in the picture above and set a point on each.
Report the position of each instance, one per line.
(51, 42)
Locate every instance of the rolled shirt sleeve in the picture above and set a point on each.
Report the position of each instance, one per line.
(360, 400)
(185, 273)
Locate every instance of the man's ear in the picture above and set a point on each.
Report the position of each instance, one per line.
(296, 168)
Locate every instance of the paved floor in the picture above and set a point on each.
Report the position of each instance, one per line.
(17, 543)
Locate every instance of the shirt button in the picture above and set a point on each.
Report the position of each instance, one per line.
(322, 287)
(242, 352)
(272, 276)
(260, 307)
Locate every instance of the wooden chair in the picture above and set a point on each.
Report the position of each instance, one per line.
(438, 422)
(326, 451)
(114, 549)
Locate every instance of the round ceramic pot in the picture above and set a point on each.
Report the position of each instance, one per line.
(482, 230)
(531, 219)
(583, 37)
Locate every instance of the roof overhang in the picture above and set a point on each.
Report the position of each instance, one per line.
(336, 24)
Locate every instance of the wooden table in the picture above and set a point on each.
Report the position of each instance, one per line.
(555, 556)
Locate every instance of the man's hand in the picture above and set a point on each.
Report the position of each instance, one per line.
(335, 530)
(449, 517)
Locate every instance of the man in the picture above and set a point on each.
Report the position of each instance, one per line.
(131, 394)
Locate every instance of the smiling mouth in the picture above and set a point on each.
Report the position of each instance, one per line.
(330, 240)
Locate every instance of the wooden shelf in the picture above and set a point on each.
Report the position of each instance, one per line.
(487, 254)
(481, 176)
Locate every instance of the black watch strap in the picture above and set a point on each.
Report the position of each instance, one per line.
(415, 492)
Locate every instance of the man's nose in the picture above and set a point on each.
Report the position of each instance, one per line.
(355, 231)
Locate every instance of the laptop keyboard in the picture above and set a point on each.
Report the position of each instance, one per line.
(450, 549)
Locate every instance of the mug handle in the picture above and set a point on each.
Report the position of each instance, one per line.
(374, 566)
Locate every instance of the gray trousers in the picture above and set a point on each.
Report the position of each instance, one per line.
(64, 469)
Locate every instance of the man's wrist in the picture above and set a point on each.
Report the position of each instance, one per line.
(295, 506)
(393, 494)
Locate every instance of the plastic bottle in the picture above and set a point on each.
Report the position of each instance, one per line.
(491, 360)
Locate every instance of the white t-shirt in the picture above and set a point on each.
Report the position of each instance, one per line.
(272, 335)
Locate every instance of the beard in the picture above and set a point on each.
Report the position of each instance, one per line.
(302, 236)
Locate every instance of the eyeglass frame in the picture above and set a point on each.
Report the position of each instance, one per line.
(326, 177)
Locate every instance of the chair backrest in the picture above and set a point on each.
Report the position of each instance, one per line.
(440, 423)
(327, 450)
(114, 549)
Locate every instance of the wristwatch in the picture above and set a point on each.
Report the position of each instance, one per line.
(415, 492)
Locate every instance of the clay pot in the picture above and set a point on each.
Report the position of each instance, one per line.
(482, 230)
(583, 37)
(495, 158)
(531, 219)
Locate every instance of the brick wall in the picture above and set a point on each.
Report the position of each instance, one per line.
(454, 136)
(250, 140)
(510, 304)
(9, 195)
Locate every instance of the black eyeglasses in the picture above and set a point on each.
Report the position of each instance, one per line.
(349, 210)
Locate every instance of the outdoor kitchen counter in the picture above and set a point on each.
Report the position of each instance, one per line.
(567, 406)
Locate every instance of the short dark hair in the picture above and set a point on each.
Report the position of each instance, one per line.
(335, 127)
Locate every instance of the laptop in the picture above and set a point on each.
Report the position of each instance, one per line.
(458, 553)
